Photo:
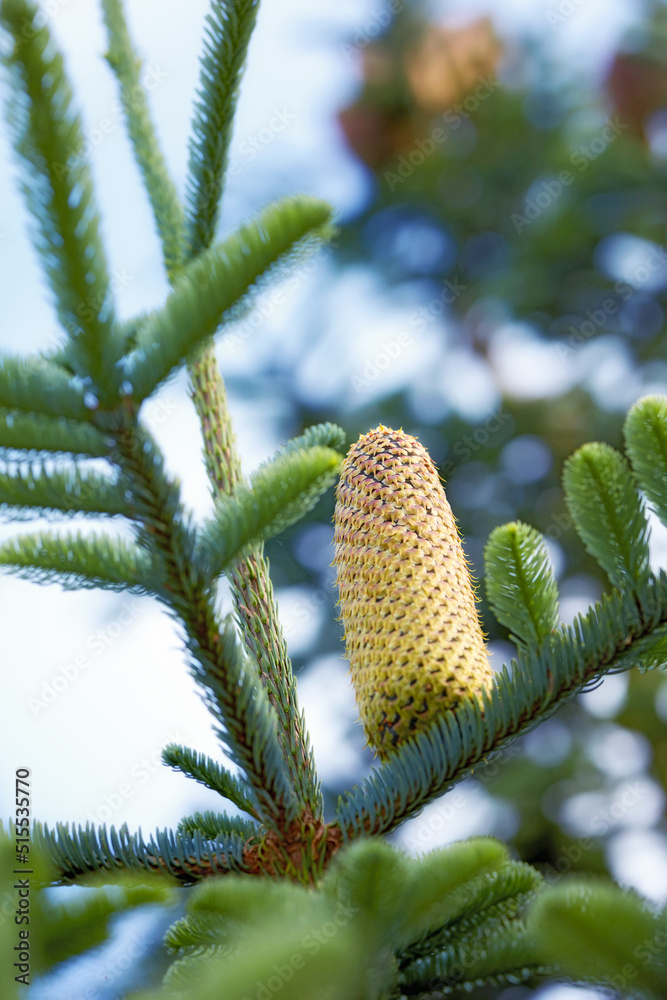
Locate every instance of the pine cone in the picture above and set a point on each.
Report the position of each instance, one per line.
(412, 633)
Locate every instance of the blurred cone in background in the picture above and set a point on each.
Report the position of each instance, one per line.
(448, 63)
(414, 71)
(636, 82)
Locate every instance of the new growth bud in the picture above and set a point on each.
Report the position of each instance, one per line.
(412, 632)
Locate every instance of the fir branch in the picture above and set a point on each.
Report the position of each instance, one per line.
(34, 432)
(449, 884)
(247, 722)
(646, 442)
(509, 956)
(208, 772)
(325, 435)
(211, 287)
(195, 932)
(85, 851)
(38, 386)
(215, 826)
(489, 899)
(49, 139)
(608, 513)
(251, 585)
(282, 492)
(209, 396)
(69, 930)
(248, 727)
(541, 679)
(257, 616)
(125, 63)
(647, 653)
(228, 28)
(596, 932)
(77, 560)
(520, 585)
(164, 529)
(244, 901)
(72, 491)
(334, 972)
(405, 899)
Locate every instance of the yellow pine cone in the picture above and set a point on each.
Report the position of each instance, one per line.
(412, 633)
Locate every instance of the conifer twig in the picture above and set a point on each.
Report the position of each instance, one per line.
(229, 28)
(126, 64)
(251, 584)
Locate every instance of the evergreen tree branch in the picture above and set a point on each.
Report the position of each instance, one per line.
(487, 900)
(403, 899)
(82, 924)
(196, 931)
(231, 24)
(38, 386)
(215, 826)
(247, 723)
(249, 729)
(48, 138)
(646, 442)
(209, 395)
(227, 32)
(325, 435)
(608, 512)
(251, 585)
(87, 851)
(211, 287)
(213, 775)
(539, 681)
(282, 492)
(80, 561)
(35, 432)
(520, 585)
(257, 615)
(73, 491)
(597, 933)
(507, 957)
(125, 63)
